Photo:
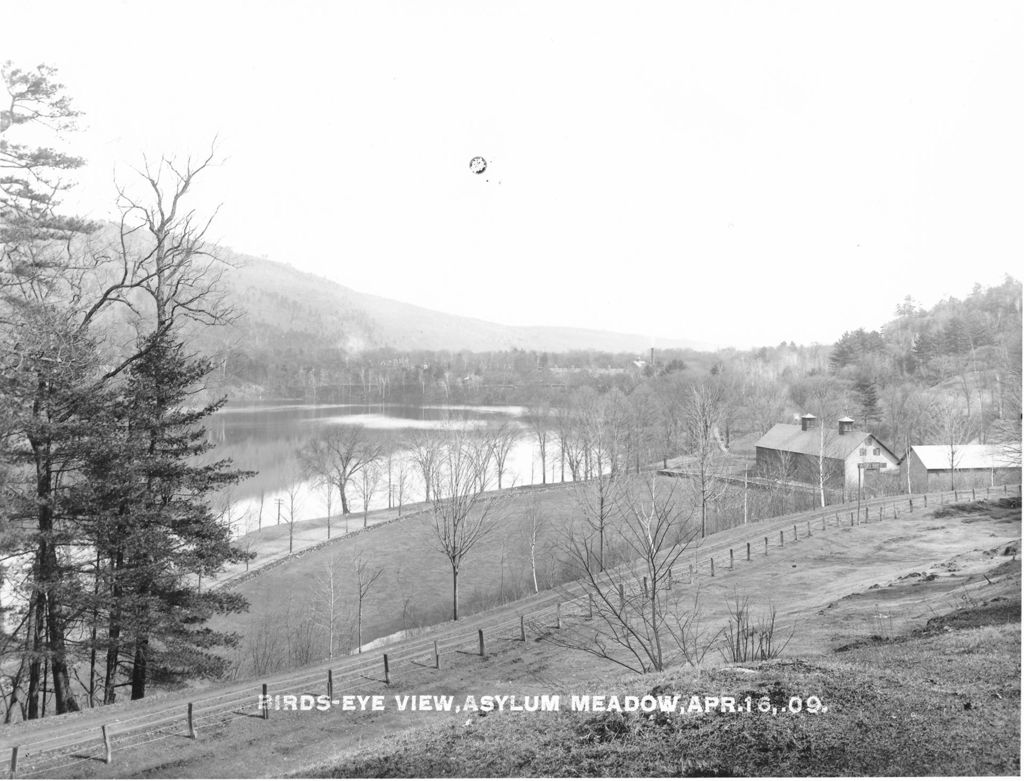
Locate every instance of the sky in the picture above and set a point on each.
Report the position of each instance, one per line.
(735, 173)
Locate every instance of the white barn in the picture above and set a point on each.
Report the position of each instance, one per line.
(945, 467)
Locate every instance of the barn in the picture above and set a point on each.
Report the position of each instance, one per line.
(794, 453)
(945, 467)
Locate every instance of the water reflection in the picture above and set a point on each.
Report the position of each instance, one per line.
(265, 436)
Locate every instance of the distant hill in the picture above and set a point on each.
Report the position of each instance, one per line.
(277, 301)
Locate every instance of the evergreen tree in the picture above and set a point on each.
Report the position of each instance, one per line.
(153, 528)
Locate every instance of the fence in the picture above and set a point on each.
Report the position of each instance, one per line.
(67, 748)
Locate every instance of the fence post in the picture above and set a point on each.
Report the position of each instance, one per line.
(330, 683)
(622, 597)
(669, 578)
(824, 520)
(730, 558)
(437, 657)
(782, 539)
(794, 533)
(880, 511)
(808, 527)
(191, 723)
(266, 703)
(480, 637)
(851, 519)
(765, 546)
(956, 495)
(590, 606)
(926, 500)
(712, 566)
(106, 744)
(14, 762)
(387, 671)
(691, 573)
(911, 504)
(974, 496)
(748, 551)
(558, 611)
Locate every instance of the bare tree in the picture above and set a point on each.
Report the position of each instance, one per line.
(503, 439)
(367, 482)
(540, 417)
(953, 428)
(636, 613)
(825, 398)
(366, 576)
(330, 604)
(425, 449)
(536, 524)
(702, 413)
(401, 482)
(460, 515)
(338, 455)
(294, 492)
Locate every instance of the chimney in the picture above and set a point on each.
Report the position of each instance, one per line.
(807, 421)
(845, 425)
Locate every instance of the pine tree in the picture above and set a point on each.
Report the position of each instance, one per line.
(153, 528)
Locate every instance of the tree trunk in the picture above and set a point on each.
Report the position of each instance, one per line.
(455, 592)
(139, 670)
(34, 646)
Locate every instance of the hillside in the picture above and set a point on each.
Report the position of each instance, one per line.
(277, 301)
(933, 593)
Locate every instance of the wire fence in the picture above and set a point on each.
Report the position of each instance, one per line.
(67, 748)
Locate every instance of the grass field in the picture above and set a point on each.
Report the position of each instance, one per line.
(942, 701)
(285, 625)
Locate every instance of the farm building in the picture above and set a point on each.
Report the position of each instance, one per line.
(943, 467)
(796, 453)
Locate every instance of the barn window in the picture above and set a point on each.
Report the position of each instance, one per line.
(863, 451)
(878, 451)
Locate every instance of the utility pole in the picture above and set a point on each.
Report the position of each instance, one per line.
(279, 503)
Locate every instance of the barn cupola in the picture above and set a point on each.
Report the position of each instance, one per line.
(845, 425)
(807, 422)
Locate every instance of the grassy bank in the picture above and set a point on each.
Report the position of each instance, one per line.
(943, 701)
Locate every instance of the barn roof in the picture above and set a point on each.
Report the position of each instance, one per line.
(967, 456)
(787, 437)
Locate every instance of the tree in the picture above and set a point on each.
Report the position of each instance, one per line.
(540, 424)
(145, 507)
(48, 365)
(953, 428)
(294, 492)
(825, 398)
(366, 576)
(503, 439)
(701, 416)
(73, 404)
(367, 482)
(338, 455)
(536, 521)
(426, 453)
(461, 516)
(636, 614)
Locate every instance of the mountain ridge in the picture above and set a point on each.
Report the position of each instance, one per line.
(276, 296)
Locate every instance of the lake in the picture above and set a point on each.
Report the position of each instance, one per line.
(265, 437)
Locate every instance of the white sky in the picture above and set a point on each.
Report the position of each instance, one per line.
(734, 173)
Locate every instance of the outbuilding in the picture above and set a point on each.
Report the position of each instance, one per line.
(946, 467)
